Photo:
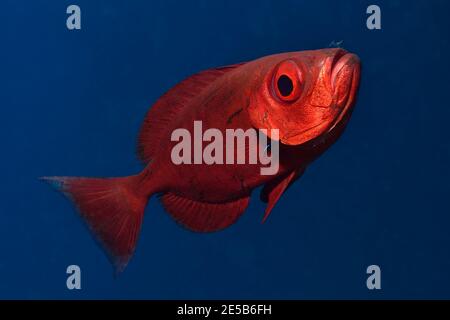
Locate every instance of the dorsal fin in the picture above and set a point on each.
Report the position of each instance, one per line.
(168, 106)
(203, 216)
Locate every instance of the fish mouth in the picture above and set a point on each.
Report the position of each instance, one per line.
(347, 65)
(341, 60)
(345, 71)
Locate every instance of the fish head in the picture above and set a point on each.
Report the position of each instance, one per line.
(303, 94)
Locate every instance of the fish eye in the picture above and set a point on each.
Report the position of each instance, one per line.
(287, 81)
(285, 85)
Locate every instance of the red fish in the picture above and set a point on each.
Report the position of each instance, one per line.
(308, 96)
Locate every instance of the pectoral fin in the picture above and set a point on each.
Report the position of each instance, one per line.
(273, 190)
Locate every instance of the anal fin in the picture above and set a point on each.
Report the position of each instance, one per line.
(203, 216)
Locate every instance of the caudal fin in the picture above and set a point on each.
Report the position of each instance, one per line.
(112, 209)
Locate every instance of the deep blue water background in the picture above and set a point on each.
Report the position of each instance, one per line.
(72, 103)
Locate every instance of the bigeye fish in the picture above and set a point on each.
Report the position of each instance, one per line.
(306, 96)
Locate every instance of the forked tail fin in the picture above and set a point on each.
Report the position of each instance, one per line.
(112, 209)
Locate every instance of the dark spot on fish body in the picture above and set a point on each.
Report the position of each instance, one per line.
(244, 187)
(233, 115)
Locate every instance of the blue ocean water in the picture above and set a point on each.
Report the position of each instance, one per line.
(72, 103)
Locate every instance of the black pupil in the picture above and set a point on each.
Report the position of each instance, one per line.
(285, 85)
